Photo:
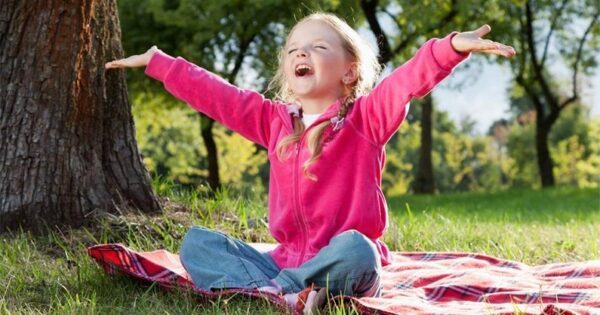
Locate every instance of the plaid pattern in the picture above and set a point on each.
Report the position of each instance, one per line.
(416, 283)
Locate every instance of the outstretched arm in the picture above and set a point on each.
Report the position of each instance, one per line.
(385, 108)
(244, 111)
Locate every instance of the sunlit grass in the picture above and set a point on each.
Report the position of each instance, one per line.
(531, 226)
(54, 275)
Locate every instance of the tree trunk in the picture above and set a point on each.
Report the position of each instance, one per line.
(206, 124)
(67, 144)
(424, 181)
(544, 159)
(369, 8)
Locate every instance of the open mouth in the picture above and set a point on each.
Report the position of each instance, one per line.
(303, 70)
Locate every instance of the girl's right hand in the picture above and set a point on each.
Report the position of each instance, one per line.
(133, 61)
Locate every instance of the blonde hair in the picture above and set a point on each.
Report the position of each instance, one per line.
(368, 70)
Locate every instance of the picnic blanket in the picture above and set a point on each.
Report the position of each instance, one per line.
(415, 283)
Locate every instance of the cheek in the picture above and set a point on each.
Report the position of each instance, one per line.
(286, 67)
(334, 67)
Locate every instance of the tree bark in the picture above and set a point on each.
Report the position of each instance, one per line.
(425, 181)
(544, 159)
(67, 141)
(206, 124)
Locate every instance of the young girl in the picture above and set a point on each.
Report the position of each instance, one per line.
(325, 138)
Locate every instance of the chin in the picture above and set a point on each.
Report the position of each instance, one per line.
(303, 92)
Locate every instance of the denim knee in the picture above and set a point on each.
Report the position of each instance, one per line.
(194, 241)
(352, 241)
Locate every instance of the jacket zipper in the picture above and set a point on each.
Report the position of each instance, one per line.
(297, 174)
(300, 217)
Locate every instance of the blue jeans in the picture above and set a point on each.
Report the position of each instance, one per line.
(349, 265)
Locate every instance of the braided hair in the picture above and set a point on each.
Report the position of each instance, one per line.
(315, 137)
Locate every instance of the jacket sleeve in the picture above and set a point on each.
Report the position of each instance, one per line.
(244, 111)
(384, 109)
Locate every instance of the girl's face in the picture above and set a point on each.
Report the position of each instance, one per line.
(315, 62)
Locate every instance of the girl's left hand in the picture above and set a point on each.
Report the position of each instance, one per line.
(472, 42)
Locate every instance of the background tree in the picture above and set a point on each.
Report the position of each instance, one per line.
(547, 34)
(66, 131)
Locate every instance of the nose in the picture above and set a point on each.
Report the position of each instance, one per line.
(301, 52)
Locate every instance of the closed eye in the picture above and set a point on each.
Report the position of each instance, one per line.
(322, 47)
(291, 51)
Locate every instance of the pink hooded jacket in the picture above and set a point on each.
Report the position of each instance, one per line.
(303, 214)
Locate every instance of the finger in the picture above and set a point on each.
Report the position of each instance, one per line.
(494, 52)
(491, 45)
(508, 53)
(122, 63)
(483, 30)
(488, 44)
(506, 48)
(113, 64)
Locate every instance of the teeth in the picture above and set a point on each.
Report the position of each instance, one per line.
(302, 70)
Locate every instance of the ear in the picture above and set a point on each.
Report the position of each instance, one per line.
(351, 74)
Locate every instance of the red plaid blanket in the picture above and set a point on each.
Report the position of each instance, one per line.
(417, 283)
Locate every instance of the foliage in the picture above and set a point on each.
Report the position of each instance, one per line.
(578, 164)
(168, 138)
(469, 162)
(402, 156)
(239, 160)
(216, 34)
(523, 170)
(409, 23)
(574, 146)
(168, 135)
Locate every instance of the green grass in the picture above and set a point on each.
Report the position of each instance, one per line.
(53, 274)
(532, 226)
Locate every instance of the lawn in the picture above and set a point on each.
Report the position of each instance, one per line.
(53, 274)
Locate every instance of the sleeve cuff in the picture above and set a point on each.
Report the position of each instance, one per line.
(158, 65)
(445, 55)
